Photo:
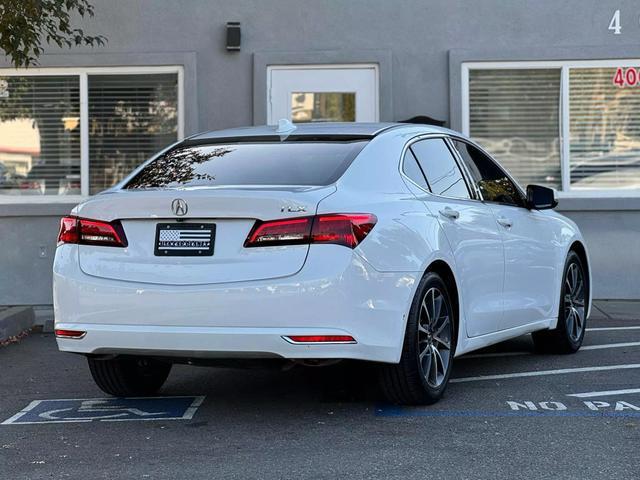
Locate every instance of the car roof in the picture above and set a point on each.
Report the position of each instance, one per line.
(306, 132)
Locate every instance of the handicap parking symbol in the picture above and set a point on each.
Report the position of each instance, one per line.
(106, 410)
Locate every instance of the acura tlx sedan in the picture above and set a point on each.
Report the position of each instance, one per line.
(400, 244)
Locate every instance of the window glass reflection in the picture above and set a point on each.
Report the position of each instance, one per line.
(286, 163)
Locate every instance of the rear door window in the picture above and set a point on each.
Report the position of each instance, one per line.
(412, 170)
(439, 166)
(282, 163)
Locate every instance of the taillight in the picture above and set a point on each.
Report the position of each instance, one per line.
(348, 229)
(77, 334)
(342, 229)
(321, 339)
(91, 232)
(292, 231)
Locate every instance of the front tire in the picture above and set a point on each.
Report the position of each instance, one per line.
(568, 335)
(128, 376)
(429, 346)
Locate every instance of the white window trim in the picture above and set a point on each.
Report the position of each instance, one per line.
(83, 75)
(564, 67)
(328, 66)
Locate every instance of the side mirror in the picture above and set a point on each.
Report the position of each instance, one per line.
(540, 198)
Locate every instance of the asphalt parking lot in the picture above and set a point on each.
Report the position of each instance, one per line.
(507, 414)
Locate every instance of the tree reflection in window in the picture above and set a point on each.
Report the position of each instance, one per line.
(499, 190)
(177, 167)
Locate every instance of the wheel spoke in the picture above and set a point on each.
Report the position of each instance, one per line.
(579, 315)
(433, 371)
(439, 362)
(425, 361)
(579, 291)
(426, 310)
(445, 343)
(437, 308)
(570, 322)
(426, 350)
(443, 336)
(572, 277)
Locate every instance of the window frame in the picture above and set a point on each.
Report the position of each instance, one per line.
(83, 74)
(564, 109)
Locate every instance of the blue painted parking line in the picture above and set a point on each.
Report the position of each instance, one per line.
(84, 410)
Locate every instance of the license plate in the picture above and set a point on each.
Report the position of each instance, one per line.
(185, 239)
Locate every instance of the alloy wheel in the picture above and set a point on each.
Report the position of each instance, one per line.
(574, 295)
(434, 337)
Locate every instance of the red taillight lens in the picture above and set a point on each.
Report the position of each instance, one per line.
(70, 333)
(348, 229)
(343, 229)
(68, 230)
(292, 231)
(91, 232)
(321, 338)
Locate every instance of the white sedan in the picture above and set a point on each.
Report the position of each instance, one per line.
(400, 244)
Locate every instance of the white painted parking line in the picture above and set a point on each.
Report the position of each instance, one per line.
(605, 393)
(606, 329)
(540, 373)
(493, 355)
(603, 346)
(611, 345)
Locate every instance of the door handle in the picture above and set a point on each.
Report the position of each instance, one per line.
(450, 213)
(505, 222)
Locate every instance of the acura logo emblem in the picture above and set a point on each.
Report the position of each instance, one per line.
(179, 207)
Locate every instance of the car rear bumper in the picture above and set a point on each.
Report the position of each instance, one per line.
(336, 293)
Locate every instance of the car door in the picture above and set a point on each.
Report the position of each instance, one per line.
(530, 263)
(471, 231)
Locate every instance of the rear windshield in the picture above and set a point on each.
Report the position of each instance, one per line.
(283, 163)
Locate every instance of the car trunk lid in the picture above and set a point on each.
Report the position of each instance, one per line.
(233, 211)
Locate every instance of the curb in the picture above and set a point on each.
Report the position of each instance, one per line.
(14, 320)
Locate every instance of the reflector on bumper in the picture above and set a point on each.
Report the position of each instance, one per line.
(320, 339)
(77, 334)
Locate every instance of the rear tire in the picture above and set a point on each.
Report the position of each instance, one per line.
(128, 376)
(568, 335)
(429, 345)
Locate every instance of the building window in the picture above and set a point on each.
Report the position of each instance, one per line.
(39, 135)
(604, 131)
(567, 125)
(78, 132)
(514, 114)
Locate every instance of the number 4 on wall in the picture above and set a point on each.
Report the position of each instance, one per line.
(614, 24)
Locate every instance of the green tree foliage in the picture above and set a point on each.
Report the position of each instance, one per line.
(25, 24)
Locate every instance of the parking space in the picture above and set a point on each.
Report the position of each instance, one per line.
(542, 416)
